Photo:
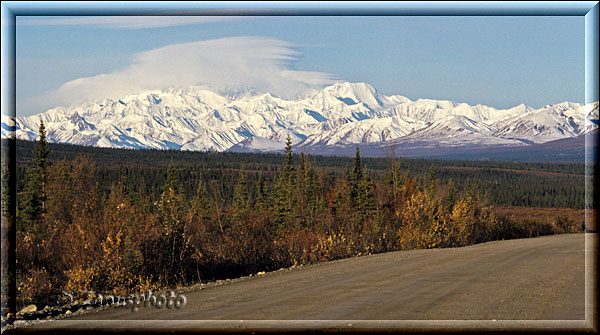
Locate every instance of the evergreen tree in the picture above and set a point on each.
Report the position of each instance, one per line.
(289, 166)
(201, 205)
(357, 174)
(365, 202)
(348, 175)
(355, 180)
(32, 203)
(240, 199)
(285, 188)
(361, 198)
(311, 192)
(42, 161)
(302, 168)
(450, 199)
(172, 183)
(34, 196)
(471, 191)
(342, 209)
(262, 201)
(301, 190)
(174, 242)
(432, 186)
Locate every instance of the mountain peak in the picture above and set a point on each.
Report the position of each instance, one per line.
(351, 85)
(356, 92)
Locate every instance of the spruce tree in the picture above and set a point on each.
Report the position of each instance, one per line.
(42, 151)
(451, 197)
(36, 180)
(240, 199)
(470, 191)
(42, 154)
(174, 241)
(311, 191)
(357, 173)
(365, 200)
(360, 193)
(289, 166)
(262, 202)
(348, 175)
(301, 169)
(201, 202)
(172, 181)
(300, 193)
(432, 182)
(355, 179)
(285, 188)
(32, 203)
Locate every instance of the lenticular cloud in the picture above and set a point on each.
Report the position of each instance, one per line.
(235, 64)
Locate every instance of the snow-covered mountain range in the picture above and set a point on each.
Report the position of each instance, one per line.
(339, 115)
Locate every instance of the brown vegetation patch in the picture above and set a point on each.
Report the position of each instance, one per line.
(547, 215)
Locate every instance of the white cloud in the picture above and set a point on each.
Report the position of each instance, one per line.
(225, 65)
(127, 22)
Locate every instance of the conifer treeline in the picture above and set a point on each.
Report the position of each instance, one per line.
(556, 185)
(74, 236)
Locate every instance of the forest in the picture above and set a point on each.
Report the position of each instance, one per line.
(122, 221)
(540, 184)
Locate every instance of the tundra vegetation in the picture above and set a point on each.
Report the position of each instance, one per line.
(84, 226)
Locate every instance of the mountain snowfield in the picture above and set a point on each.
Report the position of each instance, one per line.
(338, 115)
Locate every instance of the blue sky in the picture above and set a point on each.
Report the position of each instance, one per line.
(496, 61)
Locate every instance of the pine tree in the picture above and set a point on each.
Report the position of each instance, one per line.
(285, 188)
(301, 190)
(450, 199)
(172, 181)
(396, 181)
(471, 191)
(42, 154)
(201, 202)
(36, 180)
(301, 169)
(361, 198)
(240, 199)
(42, 161)
(357, 174)
(32, 203)
(289, 166)
(342, 204)
(365, 200)
(174, 242)
(432, 182)
(348, 175)
(262, 201)
(311, 192)
(355, 180)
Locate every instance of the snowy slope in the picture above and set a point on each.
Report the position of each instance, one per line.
(341, 114)
(552, 122)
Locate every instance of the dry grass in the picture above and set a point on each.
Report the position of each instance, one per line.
(544, 214)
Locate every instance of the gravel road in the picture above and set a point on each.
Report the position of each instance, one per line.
(526, 279)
